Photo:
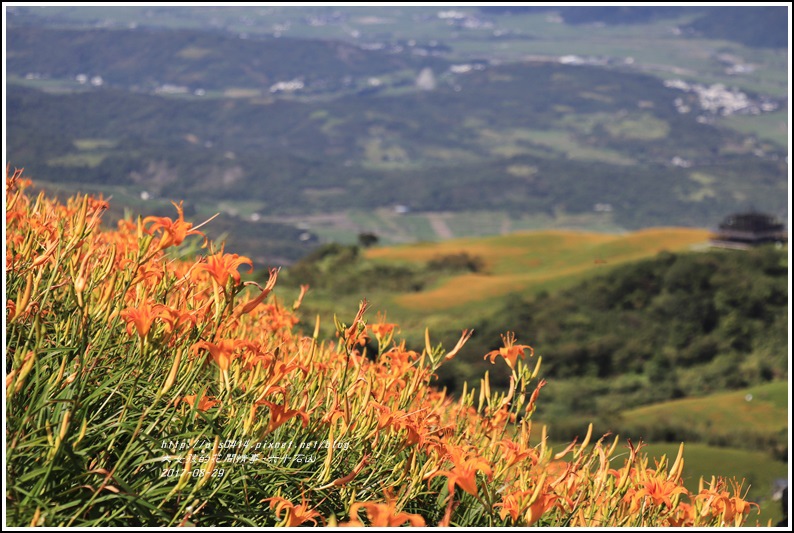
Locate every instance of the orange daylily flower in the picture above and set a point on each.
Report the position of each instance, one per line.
(16, 181)
(295, 514)
(398, 420)
(98, 204)
(739, 510)
(543, 503)
(174, 231)
(334, 413)
(684, 516)
(357, 332)
(383, 515)
(398, 360)
(258, 358)
(528, 504)
(658, 490)
(280, 414)
(721, 504)
(222, 266)
(497, 420)
(251, 305)
(221, 352)
(382, 329)
(517, 506)
(530, 408)
(204, 403)
(513, 504)
(714, 502)
(142, 318)
(464, 472)
(513, 452)
(510, 351)
(277, 372)
(175, 319)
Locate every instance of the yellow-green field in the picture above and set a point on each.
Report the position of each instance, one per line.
(529, 262)
(762, 408)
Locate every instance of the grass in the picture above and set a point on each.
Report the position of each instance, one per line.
(642, 126)
(241, 208)
(241, 92)
(514, 142)
(121, 195)
(90, 160)
(529, 262)
(770, 127)
(94, 144)
(763, 408)
(47, 85)
(394, 228)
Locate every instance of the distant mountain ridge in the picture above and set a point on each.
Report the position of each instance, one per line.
(755, 26)
(289, 127)
(147, 58)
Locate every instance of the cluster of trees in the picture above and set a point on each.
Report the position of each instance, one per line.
(760, 27)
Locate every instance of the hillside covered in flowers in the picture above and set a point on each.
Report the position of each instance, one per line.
(144, 389)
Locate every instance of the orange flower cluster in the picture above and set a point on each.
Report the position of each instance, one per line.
(227, 359)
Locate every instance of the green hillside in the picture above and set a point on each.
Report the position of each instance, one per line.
(752, 418)
(672, 326)
(621, 321)
(453, 285)
(764, 407)
(197, 60)
(528, 138)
